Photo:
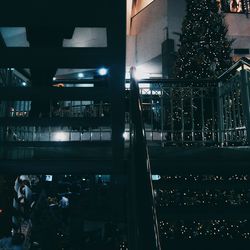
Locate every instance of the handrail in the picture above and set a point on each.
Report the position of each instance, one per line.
(144, 233)
(171, 81)
(241, 62)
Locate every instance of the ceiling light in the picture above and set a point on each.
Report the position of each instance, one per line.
(80, 75)
(60, 136)
(102, 71)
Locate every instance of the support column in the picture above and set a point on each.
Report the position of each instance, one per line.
(220, 115)
(245, 95)
(117, 46)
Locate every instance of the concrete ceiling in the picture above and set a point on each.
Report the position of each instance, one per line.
(82, 37)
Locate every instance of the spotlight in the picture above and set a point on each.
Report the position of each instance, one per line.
(102, 71)
(126, 135)
(80, 75)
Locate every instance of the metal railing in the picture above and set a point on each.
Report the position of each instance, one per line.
(143, 225)
(183, 112)
(233, 105)
(175, 111)
(67, 120)
(198, 112)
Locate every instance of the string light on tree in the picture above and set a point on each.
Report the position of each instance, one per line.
(205, 49)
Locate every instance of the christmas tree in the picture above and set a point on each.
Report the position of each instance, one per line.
(205, 50)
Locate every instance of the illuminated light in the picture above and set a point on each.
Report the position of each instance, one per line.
(156, 177)
(140, 74)
(127, 85)
(145, 86)
(102, 71)
(24, 83)
(125, 135)
(59, 85)
(60, 136)
(49, 177)
(80, 75)
(54, 78)
(1, 210)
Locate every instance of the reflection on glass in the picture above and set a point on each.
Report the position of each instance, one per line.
(233, 6)
(236, 6)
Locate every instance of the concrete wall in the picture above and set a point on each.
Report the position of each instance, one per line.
(149, 28)
(148, 31)
(175, 13)
(161, 20)
(239, 29)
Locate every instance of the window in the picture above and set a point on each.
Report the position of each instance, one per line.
(234, 6)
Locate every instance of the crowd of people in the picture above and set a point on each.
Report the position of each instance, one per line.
(64, 212)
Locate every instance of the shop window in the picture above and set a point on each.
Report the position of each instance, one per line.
(234, 6)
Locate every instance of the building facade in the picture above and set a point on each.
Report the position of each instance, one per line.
(155, 27)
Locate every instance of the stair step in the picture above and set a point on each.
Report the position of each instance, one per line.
(204, 214)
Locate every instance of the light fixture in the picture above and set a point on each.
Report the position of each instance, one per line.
(54, 78)
(80, 75)
(60, 136)
(102, 71)
(126, 135)
(24, 83)
(156, 177)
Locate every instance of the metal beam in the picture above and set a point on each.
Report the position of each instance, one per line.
(24, 73)
(39, 93)
(98, 146)
(55, 57)
(116, 35)
(55, 121)
(75, 13)
(100, 166)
